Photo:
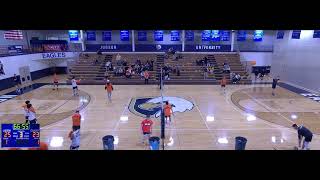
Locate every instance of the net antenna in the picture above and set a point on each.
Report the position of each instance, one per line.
(162, 111)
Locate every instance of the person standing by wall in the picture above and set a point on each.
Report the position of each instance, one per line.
(16, 81)
(274, 84)
(118, 57)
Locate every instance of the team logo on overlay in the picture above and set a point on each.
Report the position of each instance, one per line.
(152, 105)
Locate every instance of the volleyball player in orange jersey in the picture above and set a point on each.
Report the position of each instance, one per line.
(109, 89)
(223, 84)
(55, 81)
(168, 111)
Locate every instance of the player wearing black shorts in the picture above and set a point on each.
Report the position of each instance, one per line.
(16, 80)
(274, 84)
(303, 132)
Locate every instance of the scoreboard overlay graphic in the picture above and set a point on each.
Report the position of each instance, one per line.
(20, 135)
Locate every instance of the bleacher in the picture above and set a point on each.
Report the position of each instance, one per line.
(87, 70)
(136, 78)
(235, 66)
(190, 73)
(91, 73)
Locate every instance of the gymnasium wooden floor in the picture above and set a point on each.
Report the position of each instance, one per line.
(245, 110)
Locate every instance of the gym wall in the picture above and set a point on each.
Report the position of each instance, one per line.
(297, 60)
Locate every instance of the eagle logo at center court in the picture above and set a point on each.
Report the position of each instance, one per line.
(152, 105)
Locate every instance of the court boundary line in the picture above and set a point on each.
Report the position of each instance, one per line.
(125, 109)
(205, 122)
(63, 120)
(263, 105)
(277, 113)
(228, 99)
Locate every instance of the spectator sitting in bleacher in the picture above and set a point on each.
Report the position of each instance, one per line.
(262, 74)
(233, 77)
(138, 62)
(165, 67)
(152, 61)
(174, 69)
(238, 77)
(167, 71)
(166, 75)
(205, 72)
(108, 64)
(205, 61)
(119, 62)
(111, 67)
(106, 78)
(210, 69)
(226, 68)
(128, 73)
(177, 56)
(171, 51)
(137, 68)
(85, 55)
(256, 74)
(141, 74)
(118, 71)
(198, 63)
(118, 57)
(124, 63)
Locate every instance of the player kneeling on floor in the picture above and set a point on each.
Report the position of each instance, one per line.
(305, 133)
(146, 127)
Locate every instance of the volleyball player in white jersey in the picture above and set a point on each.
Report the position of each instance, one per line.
(25, 109)
(31, 114)
(74, 86)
